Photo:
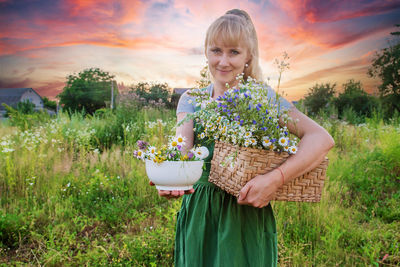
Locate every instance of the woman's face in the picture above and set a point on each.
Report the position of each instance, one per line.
(226, 62)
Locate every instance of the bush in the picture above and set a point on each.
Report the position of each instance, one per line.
(23, 118)
(355, 99)
(12, 229)
(152, 94)
(319, 97)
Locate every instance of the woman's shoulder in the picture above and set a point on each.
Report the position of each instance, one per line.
(276, 97)
(187, 102)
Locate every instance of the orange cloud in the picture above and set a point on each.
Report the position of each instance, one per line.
(354, 69)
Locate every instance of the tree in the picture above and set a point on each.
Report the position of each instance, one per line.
(88, 90)
(386, 66)
(23, 107)
(319, 96)
(153, 93)
(47, 103)
(354, 97)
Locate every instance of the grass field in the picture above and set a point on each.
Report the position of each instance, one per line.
(71, 194)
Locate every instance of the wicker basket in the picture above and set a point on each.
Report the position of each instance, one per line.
(250, 162)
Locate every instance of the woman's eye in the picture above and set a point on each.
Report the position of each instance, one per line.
(235, 52)
(215, 50)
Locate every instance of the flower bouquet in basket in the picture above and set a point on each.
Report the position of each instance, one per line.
(169, 168)
(249, 140)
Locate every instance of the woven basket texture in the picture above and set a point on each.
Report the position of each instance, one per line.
(250, 162)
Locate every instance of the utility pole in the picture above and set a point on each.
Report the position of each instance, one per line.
(112, 95)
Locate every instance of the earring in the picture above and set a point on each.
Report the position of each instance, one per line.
(246, 65)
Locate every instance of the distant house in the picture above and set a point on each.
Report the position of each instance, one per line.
(12, 96)
(176, 94)
(180, 91)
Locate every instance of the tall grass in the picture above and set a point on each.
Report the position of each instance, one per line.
(67, 197)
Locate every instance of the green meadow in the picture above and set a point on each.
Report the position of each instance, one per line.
(72, 194)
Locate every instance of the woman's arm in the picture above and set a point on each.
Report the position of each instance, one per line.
(186, 130)
(314, 145)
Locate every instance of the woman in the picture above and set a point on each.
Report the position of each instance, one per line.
(213, 227)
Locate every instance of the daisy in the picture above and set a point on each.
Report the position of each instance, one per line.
(293, 149)
(234, 140)
(253, 141)
(247, 134)
(173, 144)
(202, 135)
(151, 151)
(140, 154)
(266, 141)
(283, 141)
(272, 147)
(181, 140)
(201, 152)
(246, 142)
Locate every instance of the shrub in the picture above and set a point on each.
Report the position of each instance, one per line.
(319, 97)
(12, 229)
(355, 99)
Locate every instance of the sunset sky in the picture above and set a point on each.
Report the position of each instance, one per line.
(43, 41)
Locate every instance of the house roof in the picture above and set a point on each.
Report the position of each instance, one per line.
(180, 90)
(12, 96)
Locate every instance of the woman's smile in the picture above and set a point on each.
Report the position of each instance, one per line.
(224, 71)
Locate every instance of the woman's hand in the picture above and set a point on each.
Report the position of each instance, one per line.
(174, 193)
(260, 190)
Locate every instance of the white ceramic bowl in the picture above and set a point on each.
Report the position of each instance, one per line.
(174, 175)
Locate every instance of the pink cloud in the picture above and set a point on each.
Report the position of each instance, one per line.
(329, 11)
(320, 23)
(118, 12)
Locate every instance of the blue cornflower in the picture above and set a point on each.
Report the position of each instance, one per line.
(219, 98)
(286, 133)
(249, 106)
(277, 127)
(258, 108)
(241, 122)
(219, 105)
(254, 122)
(266, 112)
(237, 118)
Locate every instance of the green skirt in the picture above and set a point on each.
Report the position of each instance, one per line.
(213, 230)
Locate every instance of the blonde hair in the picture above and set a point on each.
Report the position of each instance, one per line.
(232, 28)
